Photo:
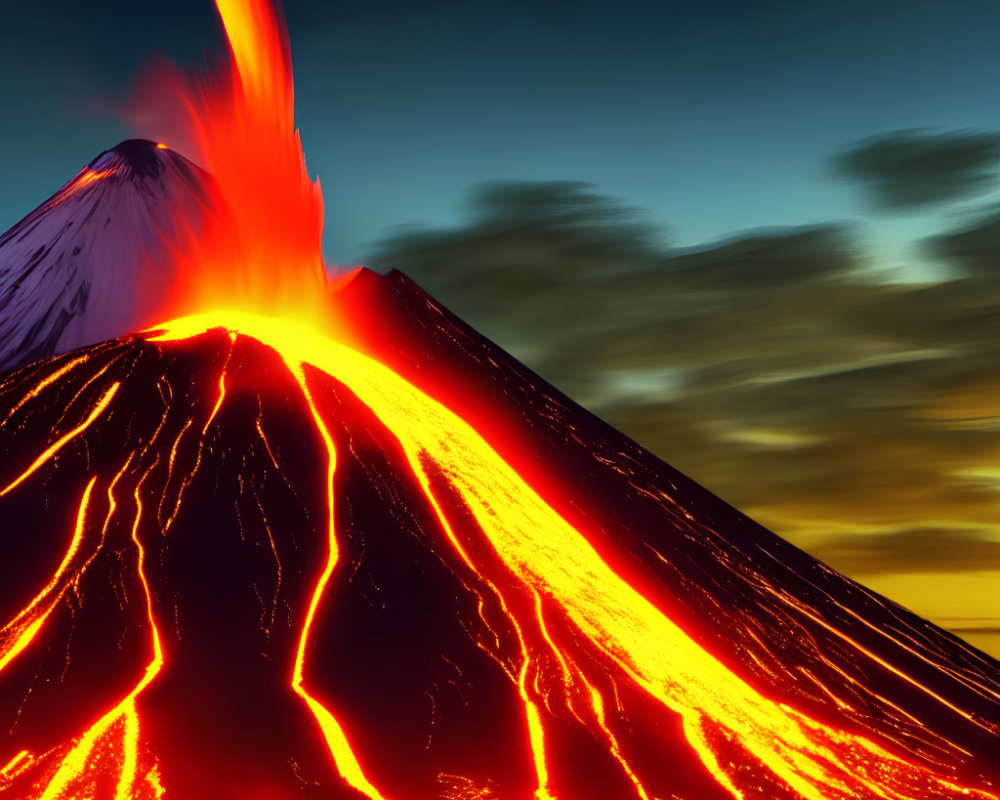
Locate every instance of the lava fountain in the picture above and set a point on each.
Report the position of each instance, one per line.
(328, 542)
(261, 247)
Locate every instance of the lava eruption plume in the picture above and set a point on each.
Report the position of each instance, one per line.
(248, 553)
(261, 250)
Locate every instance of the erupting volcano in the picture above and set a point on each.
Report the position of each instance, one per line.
(314, 538)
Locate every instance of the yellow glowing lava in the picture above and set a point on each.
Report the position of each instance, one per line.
(119, 728)
(547, 555)
(340, 748)
(59, 443)
(20, 631)
(624, 637)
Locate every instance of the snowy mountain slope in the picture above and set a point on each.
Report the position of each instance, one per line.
(91, 262)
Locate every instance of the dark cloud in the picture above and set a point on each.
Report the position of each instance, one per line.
(526, 248)
(768, 259)
(525, 236)
(571, 210)
(973, 249)
(911, 169)
(856, 418)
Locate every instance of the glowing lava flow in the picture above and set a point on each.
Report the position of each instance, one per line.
(546, 555)
(119, 729)
(340, 748)
(579, 646)
(20, 631)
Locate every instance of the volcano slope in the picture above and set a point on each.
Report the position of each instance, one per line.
(243, 560)
(93, 260)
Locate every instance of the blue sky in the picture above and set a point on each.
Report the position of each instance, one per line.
(714, 116)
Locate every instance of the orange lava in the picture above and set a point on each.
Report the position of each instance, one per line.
(260, 248)
(86, 178)
(620, 636)
(553, 560)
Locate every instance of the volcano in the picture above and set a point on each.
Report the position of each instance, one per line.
(267, 536)
(93, 260)
(242, 559)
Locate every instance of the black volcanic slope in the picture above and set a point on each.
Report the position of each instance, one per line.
(165, 528)
(90, 262)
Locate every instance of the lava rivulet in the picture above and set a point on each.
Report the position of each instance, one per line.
(586, 654)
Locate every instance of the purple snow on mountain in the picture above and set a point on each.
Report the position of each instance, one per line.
(93, 261)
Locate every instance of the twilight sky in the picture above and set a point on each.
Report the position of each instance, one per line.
(724, 226)
(715, 116)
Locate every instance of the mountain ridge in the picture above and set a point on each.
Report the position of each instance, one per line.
(93, 261)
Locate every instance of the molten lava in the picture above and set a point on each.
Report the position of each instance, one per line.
(585, 652)
(246, 558)
(260, 247)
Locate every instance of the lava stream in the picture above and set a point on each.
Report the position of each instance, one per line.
(569, 632)
(546, 554)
